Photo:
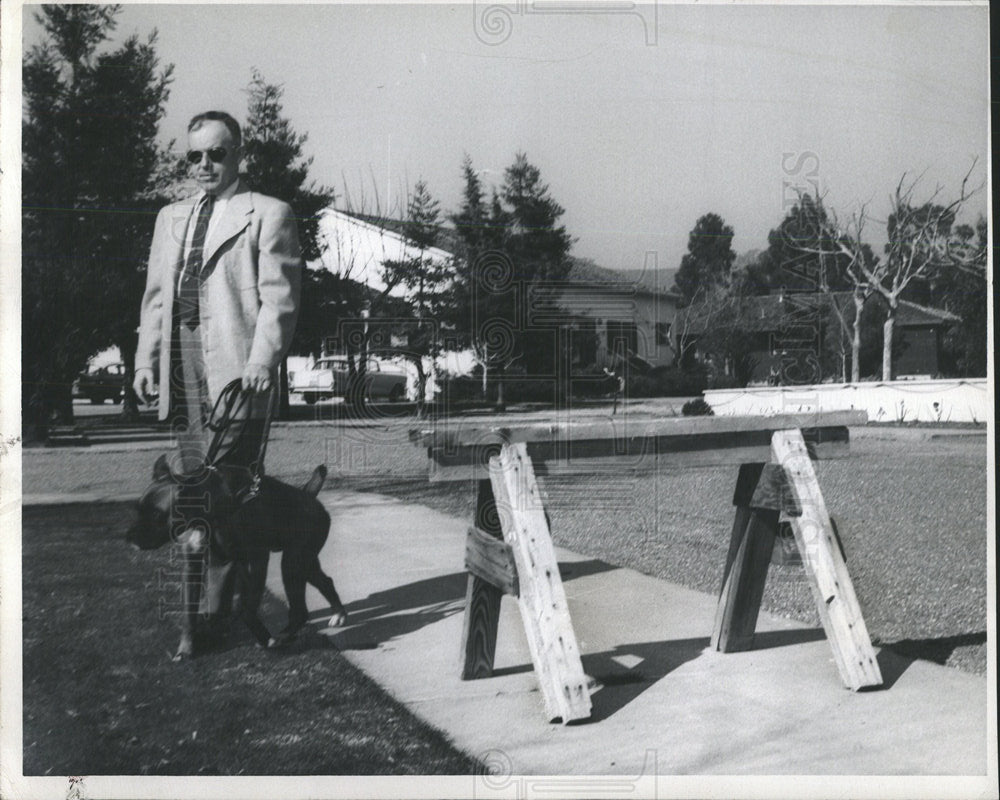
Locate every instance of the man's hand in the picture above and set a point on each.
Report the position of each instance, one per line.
(143, 384)
(256, 378)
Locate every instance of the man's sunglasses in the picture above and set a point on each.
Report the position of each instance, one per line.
(215, 154)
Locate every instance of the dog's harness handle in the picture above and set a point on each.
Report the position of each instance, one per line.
(232, 400)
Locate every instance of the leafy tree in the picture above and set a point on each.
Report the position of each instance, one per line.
(961, 288)
(91, 180)
(709, 260)
(801, 255)
(274, 164)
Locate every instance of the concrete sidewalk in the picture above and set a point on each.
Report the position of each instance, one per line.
(668, 704)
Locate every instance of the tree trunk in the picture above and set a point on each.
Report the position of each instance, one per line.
(856, 341)
(59, 402)
(421, 387)
(130, 401)
(501, 404)
(887, 328)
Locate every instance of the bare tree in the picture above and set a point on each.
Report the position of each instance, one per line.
(716, 320)
(920, 243)
(357, 247)
(828, 239)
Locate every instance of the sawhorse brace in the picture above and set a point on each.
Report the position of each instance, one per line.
(763, 492)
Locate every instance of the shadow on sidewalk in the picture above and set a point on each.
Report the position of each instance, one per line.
(389, 614)
(651, 661)
(894, 658)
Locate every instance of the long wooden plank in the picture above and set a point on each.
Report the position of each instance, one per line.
(482, 600)
(623, 428)
(636, 454)
(831, 583)
(544, 610)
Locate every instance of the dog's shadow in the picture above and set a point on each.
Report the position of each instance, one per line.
(391, 613)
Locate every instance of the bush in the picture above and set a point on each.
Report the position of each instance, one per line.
(723, 381)
(667, 382)
(460, 388)
(697, 408)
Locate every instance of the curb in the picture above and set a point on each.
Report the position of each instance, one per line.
(70, 498)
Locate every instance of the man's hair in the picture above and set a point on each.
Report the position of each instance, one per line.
(217, 116)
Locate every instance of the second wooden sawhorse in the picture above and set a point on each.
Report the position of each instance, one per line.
(509, 548)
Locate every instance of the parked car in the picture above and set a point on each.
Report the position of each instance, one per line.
(104, 383)
(329, 378)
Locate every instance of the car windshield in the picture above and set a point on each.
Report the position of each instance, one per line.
(340, 364)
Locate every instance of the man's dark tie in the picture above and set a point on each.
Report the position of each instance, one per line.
(187, 294)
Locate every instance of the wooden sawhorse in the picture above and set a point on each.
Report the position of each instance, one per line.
(509, 550)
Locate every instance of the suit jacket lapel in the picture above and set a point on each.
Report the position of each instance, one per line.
(234, 219)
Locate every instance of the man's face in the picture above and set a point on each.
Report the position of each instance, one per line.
(211, 176)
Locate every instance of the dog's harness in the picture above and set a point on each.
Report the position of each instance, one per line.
(233, 399)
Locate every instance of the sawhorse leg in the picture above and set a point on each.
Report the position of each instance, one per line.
(523, 565)
(825, 566)
(762, 492)
(750, 546)
(482, 599)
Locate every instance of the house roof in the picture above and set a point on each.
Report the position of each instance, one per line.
(763, 313)
(583, 271)
(657, 282)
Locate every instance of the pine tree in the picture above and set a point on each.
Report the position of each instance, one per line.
(274, 165)
(514, 249)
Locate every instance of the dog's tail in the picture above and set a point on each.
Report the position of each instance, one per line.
(315, 483)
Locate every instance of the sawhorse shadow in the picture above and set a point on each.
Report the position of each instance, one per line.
(894, 658)
(628, 670)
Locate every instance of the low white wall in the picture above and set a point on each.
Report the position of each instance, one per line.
(966, 400)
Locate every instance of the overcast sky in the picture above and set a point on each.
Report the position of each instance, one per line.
(640, 122)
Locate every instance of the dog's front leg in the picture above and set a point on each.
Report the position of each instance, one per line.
(193, 543)
(255, 569)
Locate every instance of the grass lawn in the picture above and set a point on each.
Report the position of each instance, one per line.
(101, 695)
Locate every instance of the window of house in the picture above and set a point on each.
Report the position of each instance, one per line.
(663, 333)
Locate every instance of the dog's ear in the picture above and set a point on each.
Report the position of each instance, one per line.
(161, 469)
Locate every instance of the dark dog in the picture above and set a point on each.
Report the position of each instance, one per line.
(205, 515)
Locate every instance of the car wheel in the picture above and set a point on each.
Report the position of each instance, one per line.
(310, 398)
(96, 399)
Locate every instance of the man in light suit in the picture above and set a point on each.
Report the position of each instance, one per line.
(221, 301)
(226, 291)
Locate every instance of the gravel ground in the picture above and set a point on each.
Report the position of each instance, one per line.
(911, 516)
